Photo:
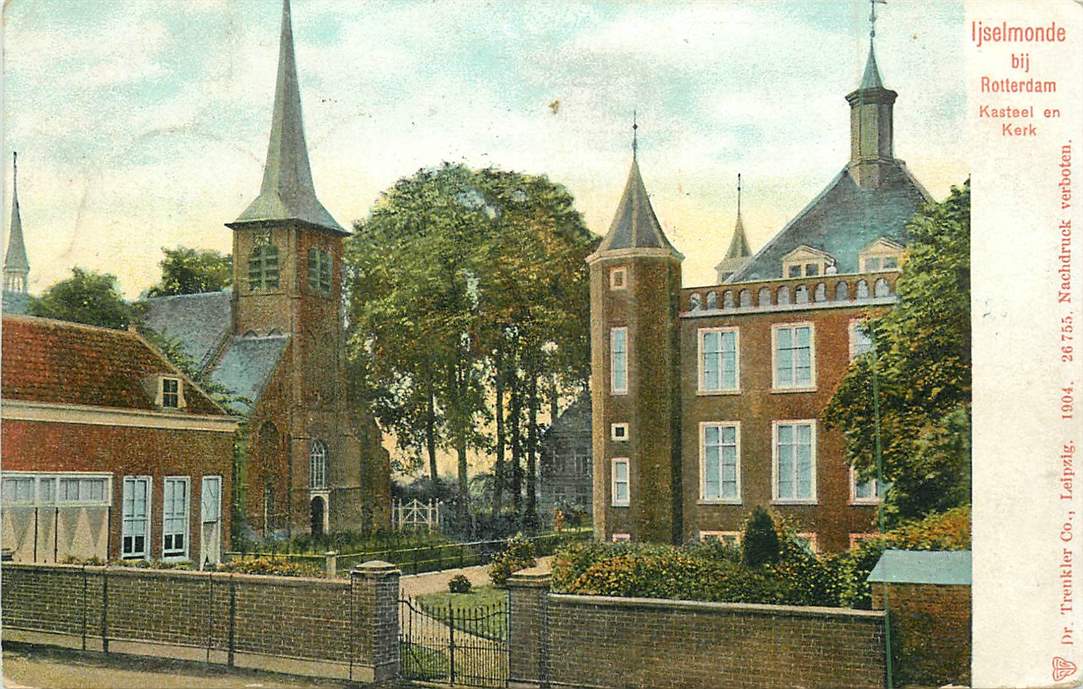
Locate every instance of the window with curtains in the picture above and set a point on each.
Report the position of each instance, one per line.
(795, 461)
(720, 462)
(718, 360)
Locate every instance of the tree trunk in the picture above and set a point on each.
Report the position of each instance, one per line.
(498, 478)
(532, 453)
(430, 436)
(516, 449)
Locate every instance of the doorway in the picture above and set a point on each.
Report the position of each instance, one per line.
(318, 508)
(210, 502)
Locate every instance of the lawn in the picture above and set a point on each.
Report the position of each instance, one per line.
(482, 612)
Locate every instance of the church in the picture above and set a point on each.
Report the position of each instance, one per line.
(706, 399)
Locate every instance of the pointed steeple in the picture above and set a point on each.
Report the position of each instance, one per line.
(871, 78)
(16, 265)
(872, 148)
(738, 253)
(287, 192)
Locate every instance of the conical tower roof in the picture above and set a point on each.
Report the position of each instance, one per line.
(871, 78)
(15, 260)
(635, 226)
(287, 192)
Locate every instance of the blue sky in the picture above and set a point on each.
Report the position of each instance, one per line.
(142, 124)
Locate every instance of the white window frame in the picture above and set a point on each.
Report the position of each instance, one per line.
(614, 501)
(703, 426)
(618, 278)
(177, 553)
(41, 477)
(614, 388)
(722, 536)
(855, 324)
(618, 437)
(811, 386)
(317, 479)
(876, 499)
(160, 398)
(15, 480)
(775, 498)
(147, 529)
(722, 389)
(622, 538)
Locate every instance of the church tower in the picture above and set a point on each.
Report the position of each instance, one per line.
(635, 281)
(16, 266)
(872, 151)
(738, 253)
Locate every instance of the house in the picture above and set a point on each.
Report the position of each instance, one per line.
(311, 462)
(109, 451)
(706, 400)
(566, 464)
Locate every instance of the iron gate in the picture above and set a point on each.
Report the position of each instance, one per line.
(464, 647)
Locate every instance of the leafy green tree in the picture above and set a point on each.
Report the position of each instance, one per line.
(86, 297)
(759, 543)
(191, 271)
(922, 363)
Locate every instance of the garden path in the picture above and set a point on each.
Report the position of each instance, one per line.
(434, 582)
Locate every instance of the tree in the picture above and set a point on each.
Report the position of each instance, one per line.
(923, 371)
(86, 297)
(191, 271)
(760, 544)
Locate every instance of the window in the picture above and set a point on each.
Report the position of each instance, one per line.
(805, 261)
(794, 357)
(320, 270)
(795, 461)
(622, 538)
(618, 431)
(718, 366)
(317, 465)
(882, 254)
(169, 392)
(618, 278)
(263, 267)
(618, 347)
(720, 462)
(135, 527)
(82, 490)
(18, 490)
(51, 489)
(210, 499)
(175, 517)
(730, 538)
(866, 492)
(621, 487)
(860, 341)
(47, 491)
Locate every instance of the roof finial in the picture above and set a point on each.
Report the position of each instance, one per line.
(738, 194)
(635, 137)
(872, 17)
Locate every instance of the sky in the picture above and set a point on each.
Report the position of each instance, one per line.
(143, 124)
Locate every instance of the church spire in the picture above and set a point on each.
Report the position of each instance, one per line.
(738, 252)
(871, 119)
(287, 192)
(16, 266)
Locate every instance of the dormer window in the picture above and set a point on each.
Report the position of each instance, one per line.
(804, 261)
(881, 255)
(170, 393)
(320, 267)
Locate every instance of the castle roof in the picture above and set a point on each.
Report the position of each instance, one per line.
(15, 260)
(841, 220)
(287, 192)
(635, 226)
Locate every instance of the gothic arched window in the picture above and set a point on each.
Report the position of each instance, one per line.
(263, 267)
(317, 465)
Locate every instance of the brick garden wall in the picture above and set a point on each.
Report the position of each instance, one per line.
(931, 628)
(318, 627)
(602, 642)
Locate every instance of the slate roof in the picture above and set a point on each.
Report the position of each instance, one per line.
(842, 220)
(69, 363)
(287, 192)
(199, 321)
(247, 365)
(635, 226)
(922, 567)
(871, 79)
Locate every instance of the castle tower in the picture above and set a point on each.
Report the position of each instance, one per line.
(738, 253)
(635, 281)
(871, 122)
(287, 258)
(16, 266)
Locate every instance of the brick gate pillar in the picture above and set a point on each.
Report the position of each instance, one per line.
(527, 642)
(375, 625)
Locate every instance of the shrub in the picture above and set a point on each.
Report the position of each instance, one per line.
(459, 584)
(760, 540)
(517, 555)
(272, 567)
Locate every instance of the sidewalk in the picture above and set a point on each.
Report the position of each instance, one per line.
(436, 582)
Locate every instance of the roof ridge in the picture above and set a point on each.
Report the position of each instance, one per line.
(163, 297)
(59, 322)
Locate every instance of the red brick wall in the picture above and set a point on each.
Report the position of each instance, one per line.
(127, 451)
(931, 629)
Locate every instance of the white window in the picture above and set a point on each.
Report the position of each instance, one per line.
(808, 542)
(732, 538)
(860, 341)
(720, 462)
(618, 347)
(866, 492)
(18, 490)
(805, 261)
(47, 490)
(170, 392)
(175, 517)
(135, 526)
(618, 278)
(794, 461)
(794, 356)
(618, 431)
(52, 489)
(317, 465)
(210, 499)
(622, 538)
(718, 360)
(82, 490)
(621, 484)
(882, 254)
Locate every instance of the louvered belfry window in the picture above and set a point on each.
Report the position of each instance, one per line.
(263, 267)
(319, 270)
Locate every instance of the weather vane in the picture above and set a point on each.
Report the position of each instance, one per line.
(635, 140)
(872, 16)
(738, 193)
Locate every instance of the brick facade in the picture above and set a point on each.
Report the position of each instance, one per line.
(317, 627)
(931, 625)
(602, 642)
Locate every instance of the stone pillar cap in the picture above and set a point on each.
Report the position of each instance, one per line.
(376, 567)
(535, 576)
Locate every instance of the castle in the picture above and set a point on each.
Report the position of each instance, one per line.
(706, 399)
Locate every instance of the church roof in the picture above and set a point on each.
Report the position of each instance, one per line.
(871, 78)
(635, 226)
(15, 259)
(287, 192)
(246, 365)
(199, 322)
(842, 220)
